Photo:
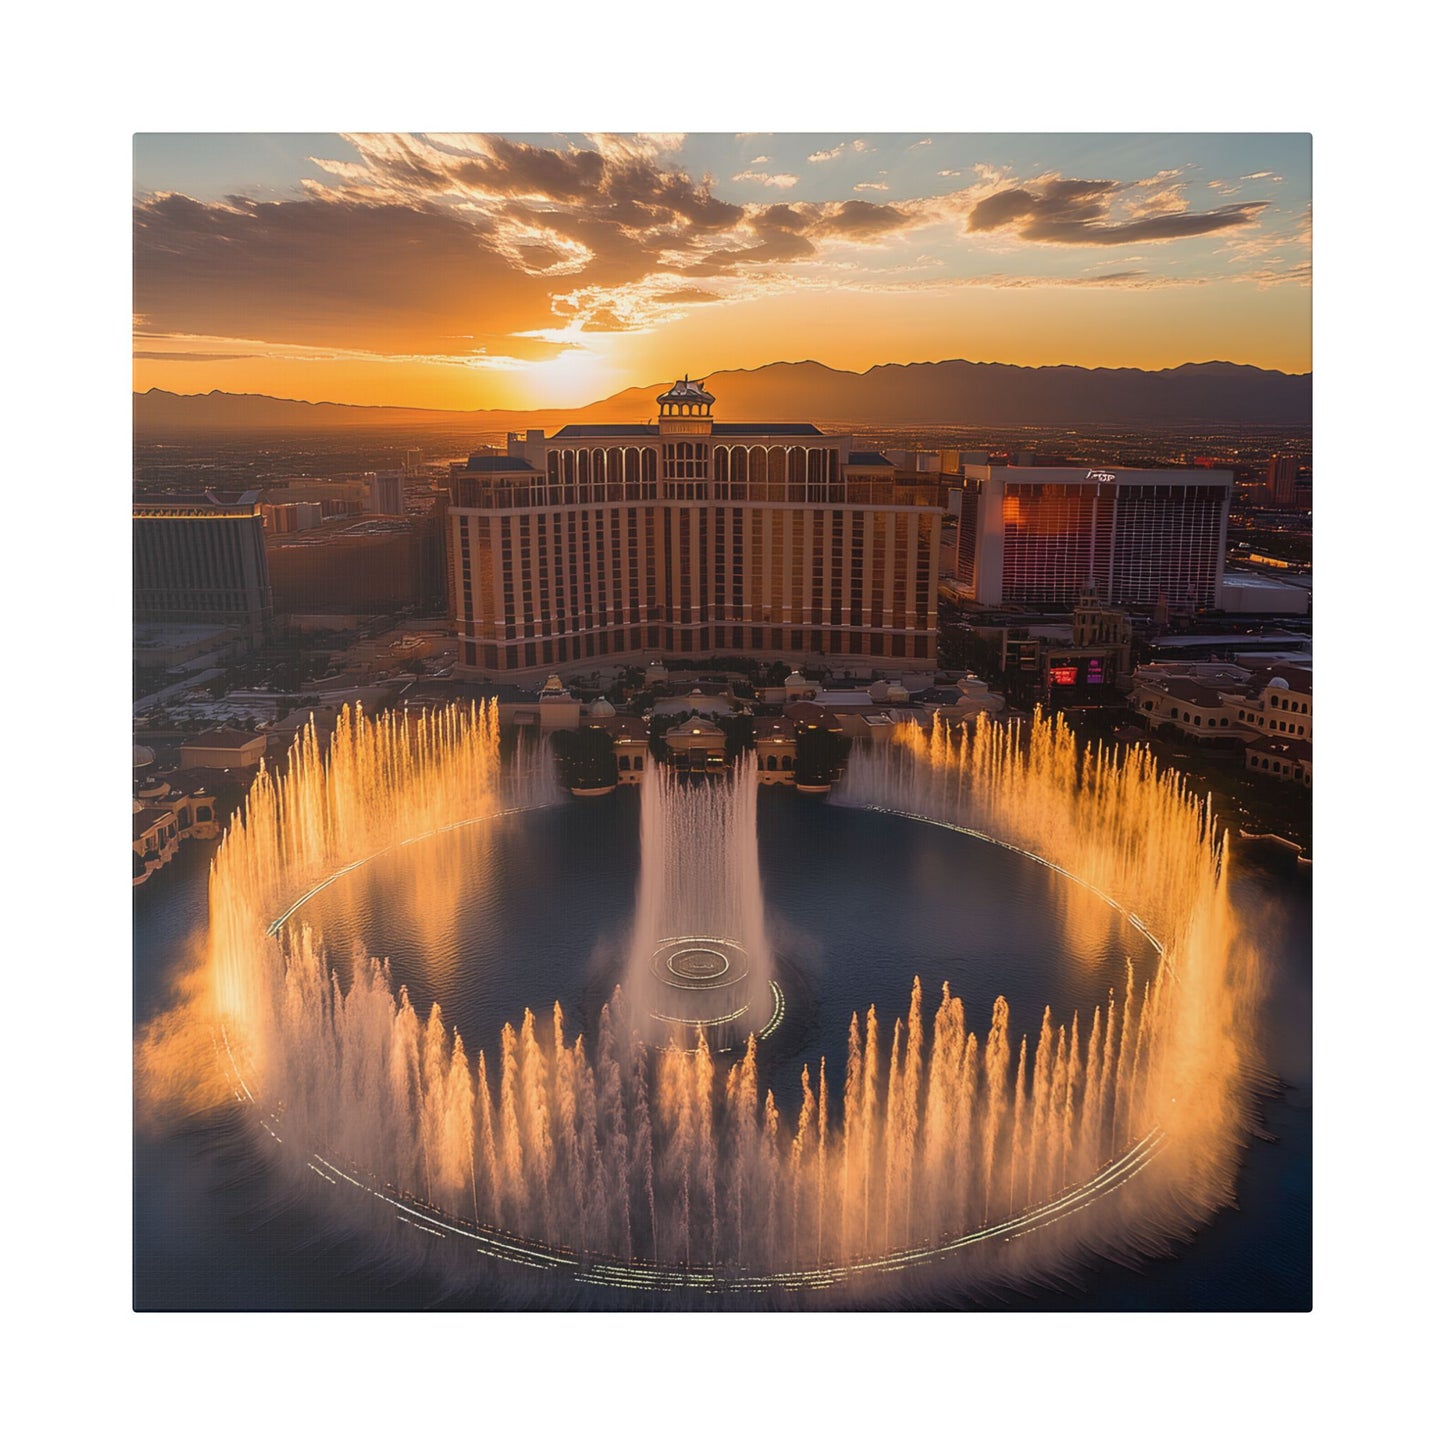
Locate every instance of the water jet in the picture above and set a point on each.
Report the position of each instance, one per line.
(633, 1157)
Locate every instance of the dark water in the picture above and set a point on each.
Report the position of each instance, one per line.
(537, 907)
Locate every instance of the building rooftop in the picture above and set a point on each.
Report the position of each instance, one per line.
(580, 430)
(868, 459)
(1296, 749)
(1186, 689)
(1297, 679)
(809, 714)
(687, 391)
(623, 729)
(695, 726)
(779, 729)
(223, 738)
(490, 463)
(1231, 641)
(1147, 476)
(144, 819)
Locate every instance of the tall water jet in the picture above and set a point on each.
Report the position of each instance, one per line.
(636, 1169)
(699, 961)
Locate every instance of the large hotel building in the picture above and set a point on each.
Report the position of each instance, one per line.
(688, 537)
(1040, 536)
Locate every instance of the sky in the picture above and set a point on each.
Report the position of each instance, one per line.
(466, 271)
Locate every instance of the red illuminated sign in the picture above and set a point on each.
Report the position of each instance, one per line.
(1063, 676)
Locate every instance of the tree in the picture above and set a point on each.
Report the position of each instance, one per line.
(738, 735)
(821, 756)
(585, 758)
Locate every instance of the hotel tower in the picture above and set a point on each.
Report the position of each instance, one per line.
(688, 537)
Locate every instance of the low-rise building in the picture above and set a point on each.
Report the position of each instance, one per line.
(1223, 701)
(776, 742)
(1291, 760)
(629, 746)
(223, 748)
(154, 840)
(1193, 708)
(697, 745)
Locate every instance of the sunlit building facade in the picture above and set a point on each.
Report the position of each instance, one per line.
(1041, 536)
(688, 537)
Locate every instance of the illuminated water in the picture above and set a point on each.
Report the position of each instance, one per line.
(860, 903)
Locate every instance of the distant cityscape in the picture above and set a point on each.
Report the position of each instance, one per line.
(765, 580)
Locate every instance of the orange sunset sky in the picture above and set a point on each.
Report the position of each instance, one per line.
(466, 271)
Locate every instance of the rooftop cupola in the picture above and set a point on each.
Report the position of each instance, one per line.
(685, 409)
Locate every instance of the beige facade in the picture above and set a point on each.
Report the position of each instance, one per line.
(776, 742)
(167, 810)
(690, 538)
(1215, 701)
(224, 748)
(629, 746)
(1290, 760)
(697, 745)
(154, 841)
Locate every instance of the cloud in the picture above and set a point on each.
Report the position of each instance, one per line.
(386, 277)
(926, 141)
(487, 350)
(419, 238)
(861, 147)
(686, 296)
(193, 356)
(861, 220)
(781, 181)
(1131, 280)
(481, 250)
(1299, 274)
(760, 160)
(1063, 211)
(1157, 201)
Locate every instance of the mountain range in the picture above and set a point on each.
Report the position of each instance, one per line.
(954, 393)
